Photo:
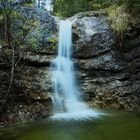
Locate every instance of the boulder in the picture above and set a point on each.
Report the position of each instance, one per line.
(107, 61)
(108, 75)
(92, 34)
(31, 96)
(43, 33)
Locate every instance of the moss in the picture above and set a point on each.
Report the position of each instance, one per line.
(27, 4)
(1, 15)
(119, 18)
(53, 40)
(53, 43)
(53, 47)
(2, 43)
(123, 17)
(95, 6)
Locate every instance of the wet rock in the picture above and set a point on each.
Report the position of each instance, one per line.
(19, 112)
(109, 90)
(33, 82)
(107, 61)
(93, 34)
(45, 27)
(37, 59)
(109, 75)
(31, 97)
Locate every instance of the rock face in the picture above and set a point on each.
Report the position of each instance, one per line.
(4, 74)
(33, 77)
(92, 33)
(44, 29)
(31, 96)
(110, 75)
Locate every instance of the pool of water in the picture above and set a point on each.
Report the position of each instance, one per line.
(112, 126)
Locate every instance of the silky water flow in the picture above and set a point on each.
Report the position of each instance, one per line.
(66, 101)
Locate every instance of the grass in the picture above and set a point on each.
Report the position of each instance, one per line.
(28, 4)
(119, 17)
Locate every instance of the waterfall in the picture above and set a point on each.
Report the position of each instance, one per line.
(66, 101)
(45, 4)
(48, 5)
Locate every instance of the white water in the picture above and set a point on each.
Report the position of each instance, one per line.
(46, 4)
(67, 104)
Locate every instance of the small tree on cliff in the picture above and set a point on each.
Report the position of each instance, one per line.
(16, 28)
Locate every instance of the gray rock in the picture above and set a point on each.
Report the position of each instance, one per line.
(46, 27)
(37, 59)
(33, 82)
(108, 61)
(109, 75)
(93, 34)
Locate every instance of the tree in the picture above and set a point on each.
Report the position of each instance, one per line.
(16, 28)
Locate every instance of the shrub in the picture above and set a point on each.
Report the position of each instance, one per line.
(119, 17)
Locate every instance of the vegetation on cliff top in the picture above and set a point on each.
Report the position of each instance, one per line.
(123, 14)
(67, 8)
(123, 17)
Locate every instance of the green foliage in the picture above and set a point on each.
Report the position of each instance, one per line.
(67, 8)
(123, 15)
(53, 41)
(95, 6)
(27, 4)
(34, 38)
(119, 18)
(20, 27)
(2, 43)
(98, 5)
(1, 15)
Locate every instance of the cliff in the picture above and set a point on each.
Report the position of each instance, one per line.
(108, 75)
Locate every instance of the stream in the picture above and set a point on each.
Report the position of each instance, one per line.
(112, 126)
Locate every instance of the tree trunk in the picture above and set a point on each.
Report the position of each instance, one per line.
(5, 23)
(7, 33)
(11, 82)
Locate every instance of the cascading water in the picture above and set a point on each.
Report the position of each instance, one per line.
(48, 5)
(45, 4)
(67, 104)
